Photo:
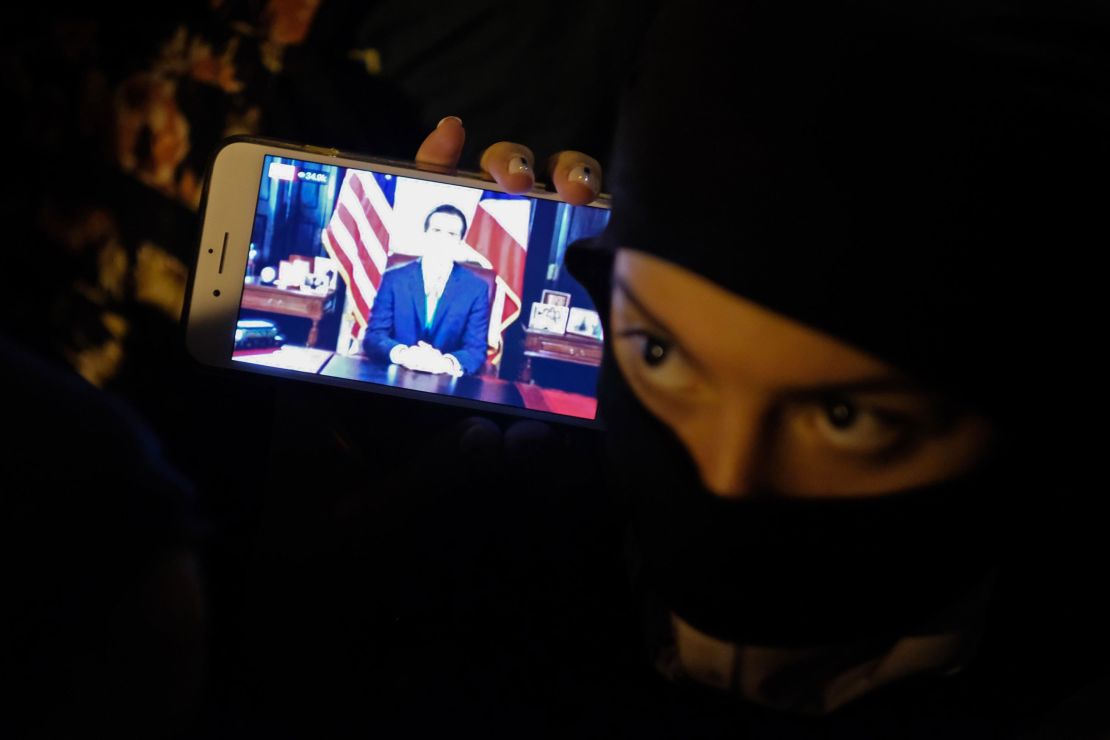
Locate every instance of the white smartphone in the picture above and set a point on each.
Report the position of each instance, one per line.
(395, 278)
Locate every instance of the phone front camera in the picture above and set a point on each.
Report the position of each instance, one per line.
(216, 293)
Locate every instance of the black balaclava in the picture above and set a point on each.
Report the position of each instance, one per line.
(911, 181)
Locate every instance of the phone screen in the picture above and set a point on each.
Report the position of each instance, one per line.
(421, 285)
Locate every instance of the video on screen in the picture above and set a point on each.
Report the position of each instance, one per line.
(420, 285)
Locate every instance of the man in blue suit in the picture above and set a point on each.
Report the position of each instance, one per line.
(432, 315)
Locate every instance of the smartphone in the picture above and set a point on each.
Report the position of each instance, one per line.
(394, 278)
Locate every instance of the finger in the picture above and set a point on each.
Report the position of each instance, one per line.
(478, 435)
(576, 176)
(444, 145)
(511, 165)
(524, 440)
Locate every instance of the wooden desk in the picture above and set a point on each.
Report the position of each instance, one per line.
(560, 347)
(290, 303)
(473, 387)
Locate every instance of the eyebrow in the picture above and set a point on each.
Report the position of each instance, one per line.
(879, 384)
(639, 304)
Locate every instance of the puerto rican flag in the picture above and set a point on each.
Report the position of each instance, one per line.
(498, 237)
(357, 237)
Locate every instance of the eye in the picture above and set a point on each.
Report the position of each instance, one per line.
(653, 349)
(659, 362)
(853, 425)
(840, 413)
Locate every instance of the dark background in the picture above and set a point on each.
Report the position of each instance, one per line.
(353, 579)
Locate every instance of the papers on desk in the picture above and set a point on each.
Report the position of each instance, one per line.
(292, 274)
(301, 359)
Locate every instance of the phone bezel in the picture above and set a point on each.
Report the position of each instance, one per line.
(215, 288)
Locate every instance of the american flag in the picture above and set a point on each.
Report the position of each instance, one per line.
(358, 239)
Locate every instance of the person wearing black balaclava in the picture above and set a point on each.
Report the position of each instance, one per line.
(837, 341)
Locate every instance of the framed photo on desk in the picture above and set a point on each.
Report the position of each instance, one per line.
(555, 298)
(549, 317)
(585, 323)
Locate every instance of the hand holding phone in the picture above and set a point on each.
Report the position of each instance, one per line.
(575, 176)
(417, 281)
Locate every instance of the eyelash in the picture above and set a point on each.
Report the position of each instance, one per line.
(897, 429)
(656, 348)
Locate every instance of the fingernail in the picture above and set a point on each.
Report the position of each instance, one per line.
(519, 165)
(449, 118)
(585, 175)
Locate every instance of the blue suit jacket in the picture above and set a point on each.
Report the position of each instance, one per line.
(460, 326)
